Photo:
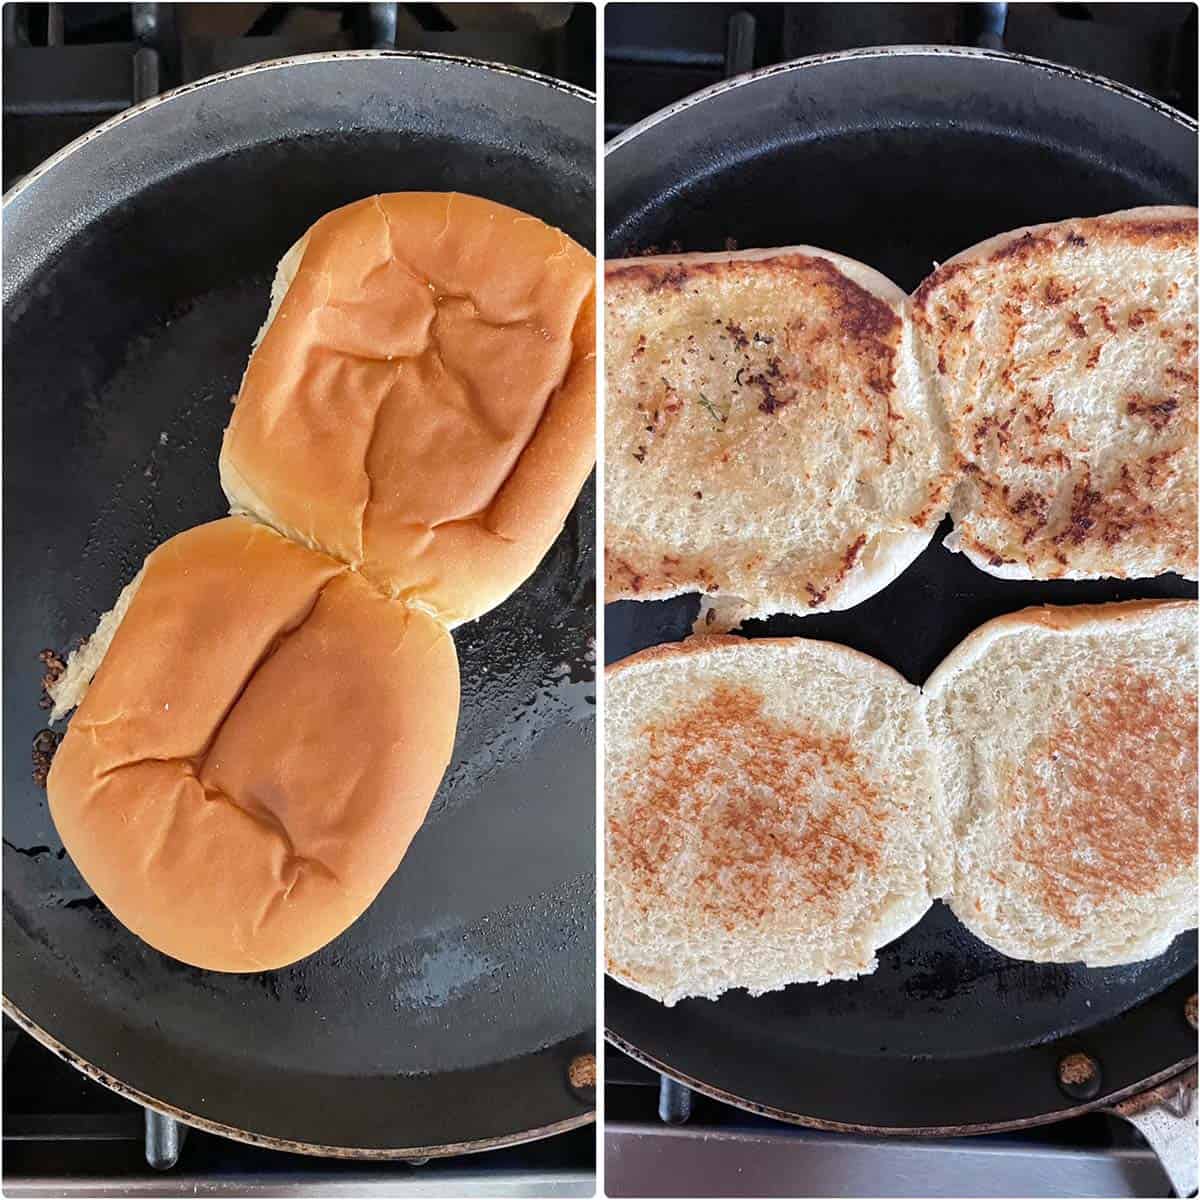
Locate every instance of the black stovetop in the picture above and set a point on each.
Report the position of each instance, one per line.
(69, 66)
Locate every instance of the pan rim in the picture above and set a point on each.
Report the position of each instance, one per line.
(274, 64)
(922, 1131)
(265, 1141)
(916, 50)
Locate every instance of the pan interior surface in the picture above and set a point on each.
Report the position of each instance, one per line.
(900, 159)
(138, 273)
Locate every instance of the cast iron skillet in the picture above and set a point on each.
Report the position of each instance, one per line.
(137, 267)
(900, 157)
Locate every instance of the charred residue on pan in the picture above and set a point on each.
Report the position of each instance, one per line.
(45, 746)
(54, 664)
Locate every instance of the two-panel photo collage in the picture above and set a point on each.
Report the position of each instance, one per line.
(599, 600)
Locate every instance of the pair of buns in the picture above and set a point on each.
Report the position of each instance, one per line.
(779, 809)
(265, 715)
(786, 428)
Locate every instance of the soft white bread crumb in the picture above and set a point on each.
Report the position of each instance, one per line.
(1066, 749)
(285, 272)
(770, 440)
(69, 689)
(769, 815)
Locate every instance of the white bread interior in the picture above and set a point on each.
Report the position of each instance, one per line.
(1066, 747)
(1064, 358)
(770, 815)
(770, 442)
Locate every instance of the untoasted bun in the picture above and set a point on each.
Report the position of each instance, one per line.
(1066, 740)
(261, 741)
(767, 437)
(770, 815)
(1065, 358)
(421, 402)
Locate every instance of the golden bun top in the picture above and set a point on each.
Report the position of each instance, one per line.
(421, 405)
(259, 745)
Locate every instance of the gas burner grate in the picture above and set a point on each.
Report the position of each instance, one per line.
(64, 1134)
(69, 66)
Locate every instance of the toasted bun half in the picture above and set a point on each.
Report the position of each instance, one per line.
(1064, 356)
(769, 815)
(767, 436)
(421, 402)
(260, 743)
(1066, 740)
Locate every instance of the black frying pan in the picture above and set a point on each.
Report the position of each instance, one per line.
(137, 267)
(901, 157)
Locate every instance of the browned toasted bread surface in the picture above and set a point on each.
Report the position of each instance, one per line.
(768, 810)
(1123, 786)
(764, 435)
(1065, 358)
(1066, 740)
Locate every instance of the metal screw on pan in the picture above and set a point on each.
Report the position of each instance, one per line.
(1189, 1010)
(581, 1074)
(1079, 1076)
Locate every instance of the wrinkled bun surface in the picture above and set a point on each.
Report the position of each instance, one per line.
(256, 751)
(770, 815)
(421, 403)
(1066, 739)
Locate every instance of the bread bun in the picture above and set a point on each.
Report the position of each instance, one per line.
(1066, 741)
(770, 815)
(1064, 356)
(260, 743)
(421, 402)
(768, 437)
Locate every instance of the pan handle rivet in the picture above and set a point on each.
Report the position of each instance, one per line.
(1189, 1010)
(1079, 1076)
(581, 1074)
